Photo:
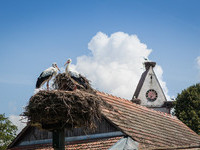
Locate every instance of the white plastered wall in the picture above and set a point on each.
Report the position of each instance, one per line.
(151, 84)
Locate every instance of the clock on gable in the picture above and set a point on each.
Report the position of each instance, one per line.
(151, 95)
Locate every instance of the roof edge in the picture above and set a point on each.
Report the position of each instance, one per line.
(176, 147)
(19, 136)
(144, 107)
(140, 83)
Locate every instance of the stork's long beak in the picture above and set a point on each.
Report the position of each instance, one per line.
(66, 63)
(57, 67)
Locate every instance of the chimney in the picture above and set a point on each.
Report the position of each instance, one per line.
(148, 64)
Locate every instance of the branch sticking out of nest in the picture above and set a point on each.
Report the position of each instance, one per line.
(56, 109)
(64, 82)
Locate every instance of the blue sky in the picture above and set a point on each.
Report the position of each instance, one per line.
(34, 34)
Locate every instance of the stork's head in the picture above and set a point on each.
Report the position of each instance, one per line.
(55, 66)
(68, 61)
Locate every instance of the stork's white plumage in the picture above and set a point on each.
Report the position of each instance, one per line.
(68, 72)
(75, 75)
(46, 75)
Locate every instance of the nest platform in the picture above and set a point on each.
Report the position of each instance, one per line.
(64, 82)
(63, 109)
(66, 107)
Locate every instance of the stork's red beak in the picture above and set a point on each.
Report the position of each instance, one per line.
(66, 63)
(57, 67)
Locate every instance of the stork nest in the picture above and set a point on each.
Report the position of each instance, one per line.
(65, 82)
(63, 109)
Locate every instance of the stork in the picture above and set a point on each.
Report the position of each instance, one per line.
(75, 75)
(46, 75)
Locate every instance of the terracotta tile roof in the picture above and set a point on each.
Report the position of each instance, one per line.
(97, 144)
(147, 126)
(151, 129)
(102, 144)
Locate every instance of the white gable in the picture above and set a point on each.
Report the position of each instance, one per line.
(151, 83)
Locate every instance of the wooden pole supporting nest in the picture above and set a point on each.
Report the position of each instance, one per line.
(59, 139)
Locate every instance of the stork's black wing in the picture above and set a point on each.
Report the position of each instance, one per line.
(44, 76)
(82, 81)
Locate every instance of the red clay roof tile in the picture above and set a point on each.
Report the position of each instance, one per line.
(146, 125)
(98, 144)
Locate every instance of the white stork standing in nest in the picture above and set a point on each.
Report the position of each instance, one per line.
(75, 76)
(46, 75)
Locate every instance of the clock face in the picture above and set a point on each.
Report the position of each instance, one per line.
(151, 95)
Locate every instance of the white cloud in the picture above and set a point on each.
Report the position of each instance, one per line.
(115, 63)
(198, 62)
(19, 121)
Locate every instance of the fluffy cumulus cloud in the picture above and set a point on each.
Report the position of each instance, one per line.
(115, 63)
(19, 121)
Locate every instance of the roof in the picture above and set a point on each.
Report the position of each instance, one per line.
(140, 83)
(102, 144)
(149, 127)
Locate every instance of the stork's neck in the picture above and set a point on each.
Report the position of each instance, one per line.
(56, 69)
(67, 69)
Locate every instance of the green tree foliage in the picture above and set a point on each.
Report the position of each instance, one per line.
(187, 107)
(7, 132)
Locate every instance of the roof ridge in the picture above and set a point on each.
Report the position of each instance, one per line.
(144, 107)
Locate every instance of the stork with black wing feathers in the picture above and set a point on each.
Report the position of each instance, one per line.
(75, 76)
(46, 75)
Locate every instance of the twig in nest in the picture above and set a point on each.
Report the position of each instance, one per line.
(65, 108)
